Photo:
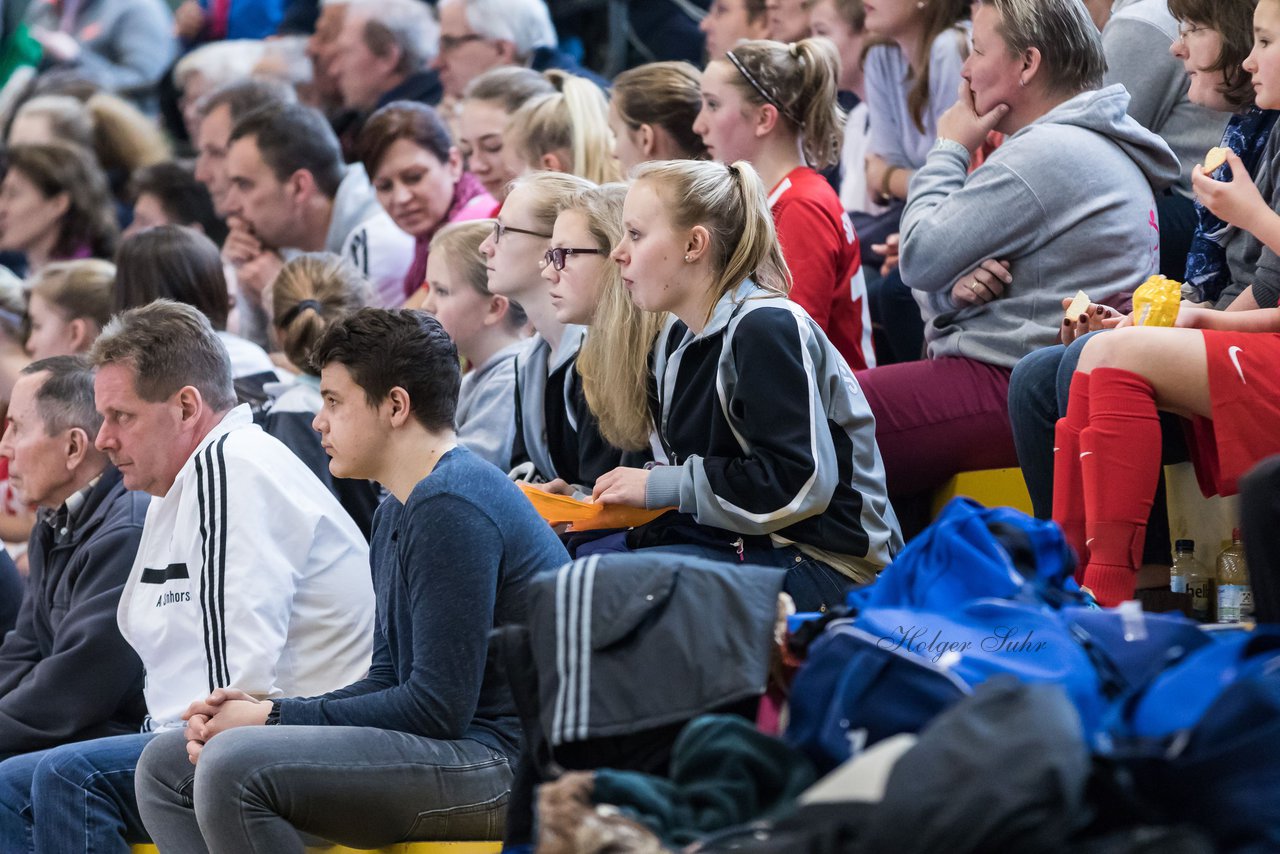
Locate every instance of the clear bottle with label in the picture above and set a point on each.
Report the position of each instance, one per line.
(1235, 596)
(1188, 575)
(1184, 552)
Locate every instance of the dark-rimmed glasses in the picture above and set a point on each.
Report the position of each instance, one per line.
(499, 229)
(556, 257)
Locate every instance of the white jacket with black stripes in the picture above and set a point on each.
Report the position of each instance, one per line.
(249, 575)
(767, 432)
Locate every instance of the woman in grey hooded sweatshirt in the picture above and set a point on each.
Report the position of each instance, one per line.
(1067, 203)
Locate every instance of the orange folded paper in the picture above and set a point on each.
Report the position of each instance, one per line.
(586, 515)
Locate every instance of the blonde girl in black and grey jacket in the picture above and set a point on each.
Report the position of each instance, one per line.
(771, 450)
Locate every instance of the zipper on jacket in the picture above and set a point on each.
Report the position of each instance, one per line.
(740, 548)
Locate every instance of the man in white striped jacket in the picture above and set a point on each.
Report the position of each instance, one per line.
(250, 574)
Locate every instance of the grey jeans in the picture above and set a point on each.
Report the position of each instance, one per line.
(261, 789)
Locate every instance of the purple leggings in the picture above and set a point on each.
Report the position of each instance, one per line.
(937, 417)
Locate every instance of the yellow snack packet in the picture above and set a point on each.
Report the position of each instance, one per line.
(1156, 302)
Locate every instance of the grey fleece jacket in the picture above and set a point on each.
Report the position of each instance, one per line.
(1068, 200)
(1136, 42)
(486, 414)
(1250, 262)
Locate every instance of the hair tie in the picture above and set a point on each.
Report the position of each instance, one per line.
(755, 84)
(292, 314)
(794, 49)
(733, 170)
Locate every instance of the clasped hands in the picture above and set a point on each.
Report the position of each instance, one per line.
(224, 709)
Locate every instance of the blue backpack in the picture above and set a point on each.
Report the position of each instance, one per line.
(967, 599)
(971, 552)
(979, 593)
(1202, 741)
(1178, 699)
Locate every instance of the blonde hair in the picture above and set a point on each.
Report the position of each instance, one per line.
(552, 192)
(731, 203)
(78, 289)
(573, 121)
(120, 136)
(800, 81)
(308, 294)
(459, 244)
(662, 94)
(614, 360)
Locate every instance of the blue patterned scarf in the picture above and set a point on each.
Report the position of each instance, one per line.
(1207, 270)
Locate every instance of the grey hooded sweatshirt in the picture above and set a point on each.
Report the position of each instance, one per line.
(1136, 43)
(1068, 201)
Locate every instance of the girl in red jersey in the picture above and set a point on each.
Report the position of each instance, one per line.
(775, 105)
(1216, 368)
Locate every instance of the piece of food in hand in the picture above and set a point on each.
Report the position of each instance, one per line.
(1215, 158)
(1078, 306)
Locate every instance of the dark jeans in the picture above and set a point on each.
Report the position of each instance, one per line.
(256, 788)
(896, 320)
(1038, 391)
(1177, 226)
(77, 797)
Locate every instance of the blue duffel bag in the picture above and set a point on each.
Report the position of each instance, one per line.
(1202, 741)
(892, 670)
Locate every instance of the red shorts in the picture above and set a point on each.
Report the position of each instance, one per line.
(1244, 396)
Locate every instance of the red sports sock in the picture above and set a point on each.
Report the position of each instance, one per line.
(1120, 467)
(1068, 490)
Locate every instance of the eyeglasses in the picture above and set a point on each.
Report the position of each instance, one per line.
(1190, 30)
(556, 257)
(452, 43)
(499, 229)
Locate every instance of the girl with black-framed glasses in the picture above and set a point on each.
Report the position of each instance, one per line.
(557, 438)
(586, 288)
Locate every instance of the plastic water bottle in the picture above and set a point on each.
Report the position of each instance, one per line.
(1235, 596)
(1188, 575)
(1183, 557)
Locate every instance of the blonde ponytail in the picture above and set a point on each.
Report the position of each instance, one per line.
(800, 81)
(572, 123)
(731, 203)
(309, 293)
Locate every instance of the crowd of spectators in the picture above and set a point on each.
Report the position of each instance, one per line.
(294, 294)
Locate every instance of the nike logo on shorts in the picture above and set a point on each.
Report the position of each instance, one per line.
(1234, 353)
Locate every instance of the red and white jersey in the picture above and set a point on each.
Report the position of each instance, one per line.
(825, 260)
